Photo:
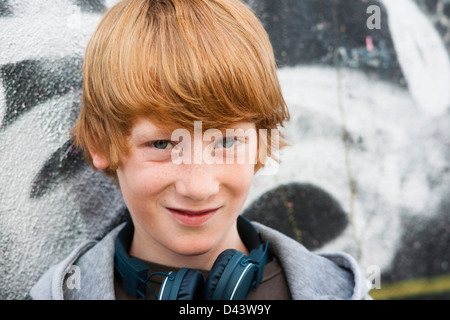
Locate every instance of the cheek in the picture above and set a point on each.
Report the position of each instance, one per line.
(142, 182)
(239, 178)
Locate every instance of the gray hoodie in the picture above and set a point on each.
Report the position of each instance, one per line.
(309, 275)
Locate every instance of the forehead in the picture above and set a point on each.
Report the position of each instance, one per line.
(143, 127)
(146, 127)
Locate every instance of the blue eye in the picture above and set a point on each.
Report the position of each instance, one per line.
(161, 144)
(228, 142)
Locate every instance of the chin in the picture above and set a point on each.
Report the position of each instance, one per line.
(195, 245)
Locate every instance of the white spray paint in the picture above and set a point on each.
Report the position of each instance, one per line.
(422, 55)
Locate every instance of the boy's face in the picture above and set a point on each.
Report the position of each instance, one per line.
(184, 214)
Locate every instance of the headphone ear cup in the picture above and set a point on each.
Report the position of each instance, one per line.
(217, 271)
(186, 284)
(191, 288)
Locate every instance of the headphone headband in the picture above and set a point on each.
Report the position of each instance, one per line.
(132, 270)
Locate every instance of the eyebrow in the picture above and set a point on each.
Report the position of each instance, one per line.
(144, 134)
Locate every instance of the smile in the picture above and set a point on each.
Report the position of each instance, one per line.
(192, 218)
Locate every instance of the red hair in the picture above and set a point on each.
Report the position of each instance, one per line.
(176, 62)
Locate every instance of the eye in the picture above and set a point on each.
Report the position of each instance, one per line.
(228, 142)
(161, 144)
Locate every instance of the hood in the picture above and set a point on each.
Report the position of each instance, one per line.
(310, 276)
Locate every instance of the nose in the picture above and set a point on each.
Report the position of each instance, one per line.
(197, 182)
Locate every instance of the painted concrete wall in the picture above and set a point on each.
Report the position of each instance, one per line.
(367, 171)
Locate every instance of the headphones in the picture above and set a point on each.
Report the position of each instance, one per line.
(232, 276)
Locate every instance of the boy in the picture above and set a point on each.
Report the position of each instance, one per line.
(206, 69)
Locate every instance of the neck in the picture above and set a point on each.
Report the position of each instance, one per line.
(145, 248)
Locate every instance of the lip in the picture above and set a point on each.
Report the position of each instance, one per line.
(192, 218)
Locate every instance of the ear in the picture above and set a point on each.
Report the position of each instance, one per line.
(99, 160)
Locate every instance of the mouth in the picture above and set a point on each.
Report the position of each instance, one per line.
(192, 218)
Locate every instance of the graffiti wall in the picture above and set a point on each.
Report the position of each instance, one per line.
(367, 170)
